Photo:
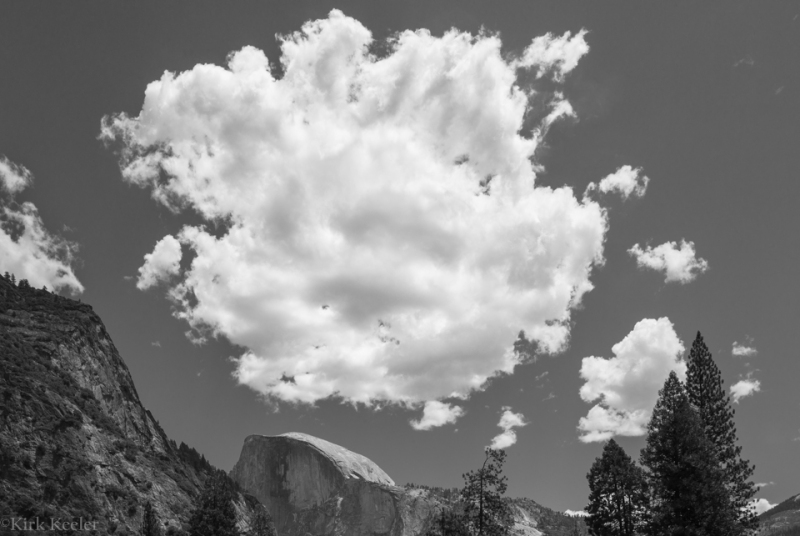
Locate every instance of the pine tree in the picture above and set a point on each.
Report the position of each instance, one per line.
(214, 514)
(485, 511)
(262, 524)
(687, 487)
(705, 391)
(618, 494)
(448, 523)
(150, 525)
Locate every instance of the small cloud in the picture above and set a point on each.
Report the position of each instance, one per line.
(548, 397)
(764, 484)
(161, 263)
(437, 414)
(13, 177)
(626, 181)
(743, 388)
(542, 375)
(761, 505)
(779, 90)
(576, 513)
(558, 55)
(678, 263)
(199, 373)
(625, 387)
(742, 350)
(156, 344)
(747, 61)
(508, 422)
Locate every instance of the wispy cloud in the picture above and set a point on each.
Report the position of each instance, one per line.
(557, 55)
(508, 421)
(627, 384)
(576, 513)
(383, 238)
(744, 350)
(541, 376)
(678, 263)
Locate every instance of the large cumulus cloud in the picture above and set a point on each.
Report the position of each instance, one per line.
(27, 249)
(381, 236)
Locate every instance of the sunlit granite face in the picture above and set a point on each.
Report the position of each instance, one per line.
(312, 486)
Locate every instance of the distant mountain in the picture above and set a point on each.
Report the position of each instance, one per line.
(75, 440)
(783, 519)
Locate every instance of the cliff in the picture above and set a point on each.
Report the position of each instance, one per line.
(75, 440)
(311, 486)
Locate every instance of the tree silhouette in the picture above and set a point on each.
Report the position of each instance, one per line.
(485, 511)
(214, 514)
(705, 392)
(687, 488)
(618, 494)
(262, 524)
(150, 524)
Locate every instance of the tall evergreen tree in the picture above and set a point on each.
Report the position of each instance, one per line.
(687, 488)
(618, 494)
(150, 524)
(486, 513)
(214, 514)
(705, 392)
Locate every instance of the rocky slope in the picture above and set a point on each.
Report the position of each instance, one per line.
(311, 486)
(75, 440)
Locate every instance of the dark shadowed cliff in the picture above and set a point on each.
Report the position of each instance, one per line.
(75, 440)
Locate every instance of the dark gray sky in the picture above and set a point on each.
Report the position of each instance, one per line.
(703, 99)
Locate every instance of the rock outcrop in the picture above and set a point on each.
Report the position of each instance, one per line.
(311, 486)
(75, 440)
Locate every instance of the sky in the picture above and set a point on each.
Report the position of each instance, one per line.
(337, 218)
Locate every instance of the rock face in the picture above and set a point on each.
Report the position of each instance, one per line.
(75, 440)
(311, 486)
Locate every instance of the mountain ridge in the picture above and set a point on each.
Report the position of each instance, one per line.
(75, 440)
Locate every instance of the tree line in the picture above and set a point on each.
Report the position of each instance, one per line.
(213, 514)
(691, 479)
